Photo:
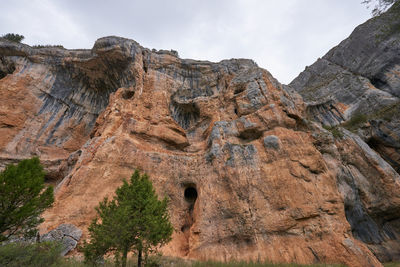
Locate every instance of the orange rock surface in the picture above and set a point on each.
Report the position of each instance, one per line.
(247, 176)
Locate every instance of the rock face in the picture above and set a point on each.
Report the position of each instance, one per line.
(51, 98)
(357, 84)
(67, 234)
(360, 76)
(247, 175)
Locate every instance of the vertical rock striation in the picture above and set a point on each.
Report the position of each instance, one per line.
(357, 84)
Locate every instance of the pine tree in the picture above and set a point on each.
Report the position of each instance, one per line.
(23, 197)
(134, 220)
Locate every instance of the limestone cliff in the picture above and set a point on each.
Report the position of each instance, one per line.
(247, 174)
(357, 85)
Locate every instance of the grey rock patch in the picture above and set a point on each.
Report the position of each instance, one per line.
(271, 141)
(67, 234)
(213, 153)
(240, 155)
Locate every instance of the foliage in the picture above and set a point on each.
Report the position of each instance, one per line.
(334, 131)
(24, 254)
(13, 37)
(23, 197)
(48, 46)
(380, 6)
(135, 220)
(355, 121)
(391, 264)
(387, 113)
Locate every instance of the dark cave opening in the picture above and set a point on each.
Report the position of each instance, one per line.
(378, 82)
(250, 135)
(240, 88)
(6, 67)
(128, 94)
(190, 194)
(189, 217)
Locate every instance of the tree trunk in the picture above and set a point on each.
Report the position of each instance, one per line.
(124, 257)
(139, 258)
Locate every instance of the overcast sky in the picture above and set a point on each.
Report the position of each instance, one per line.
(282, 36)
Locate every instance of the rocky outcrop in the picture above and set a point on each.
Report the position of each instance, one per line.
(359, 76)
(357, 85)
(51, 98)
(247, 175)
(370, 190)
(67, 235)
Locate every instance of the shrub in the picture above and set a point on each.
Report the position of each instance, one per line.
(48, 46)
(24, 254)
(334, 131)
(13, 37)
(355, 121)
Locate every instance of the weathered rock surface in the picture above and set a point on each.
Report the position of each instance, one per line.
(248, 177)
(51, 98)
(360, 75)
(67, 234)
(358, 82)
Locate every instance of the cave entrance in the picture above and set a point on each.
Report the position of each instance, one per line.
(190, 194)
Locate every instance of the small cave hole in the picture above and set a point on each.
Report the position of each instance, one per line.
(6, 68)
(128, 94)
(250, 135)
(190, 194)
(235, 110)
(378, 83)
(240, 88)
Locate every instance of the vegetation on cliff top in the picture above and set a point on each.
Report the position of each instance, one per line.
(13, 37)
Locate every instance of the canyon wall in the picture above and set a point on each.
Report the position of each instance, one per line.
(250, 172)
(356, 85)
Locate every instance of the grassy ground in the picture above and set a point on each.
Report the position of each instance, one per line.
(392, 264)
(176, 262)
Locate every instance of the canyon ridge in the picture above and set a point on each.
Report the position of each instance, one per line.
(254, 169)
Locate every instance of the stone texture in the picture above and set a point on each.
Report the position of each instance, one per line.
(267, 179)
(67, 234)
(271, 141)
(361, 76)
(51, 98)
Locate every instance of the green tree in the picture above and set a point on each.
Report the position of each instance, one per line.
(23, 197)
(13, 37)
(134, 220)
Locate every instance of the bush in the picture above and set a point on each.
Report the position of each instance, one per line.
(13, 37)
(355, 121)
(334, 131)
(24, 254)
(48, 46)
